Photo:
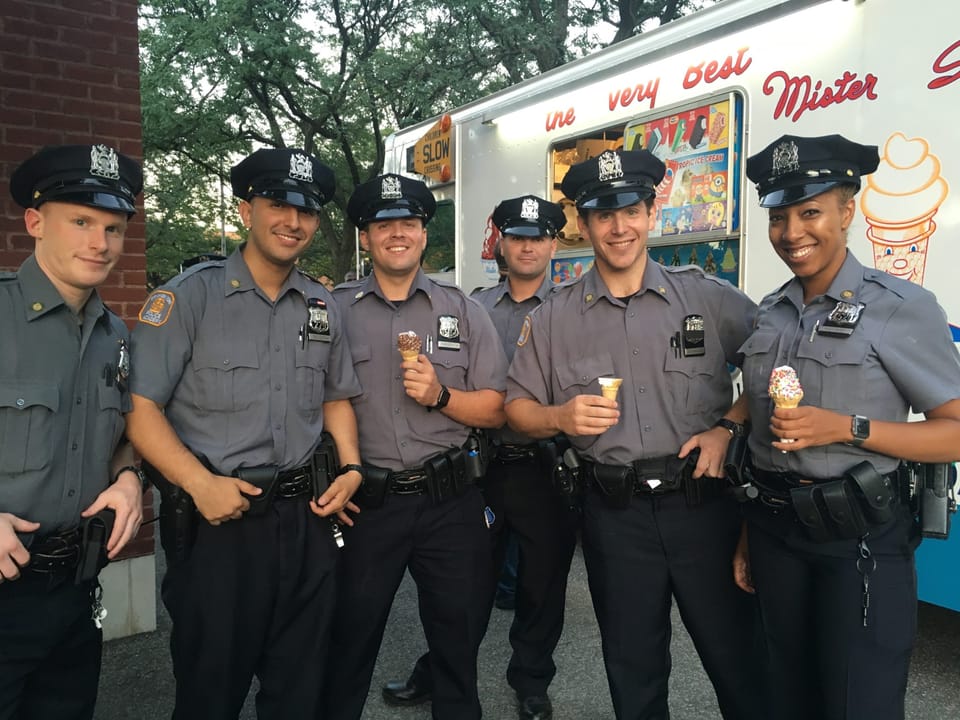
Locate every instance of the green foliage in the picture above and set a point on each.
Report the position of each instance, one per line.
(220, 78)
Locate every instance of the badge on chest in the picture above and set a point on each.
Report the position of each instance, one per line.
(842, 320)
(448, 332)
(318, 320)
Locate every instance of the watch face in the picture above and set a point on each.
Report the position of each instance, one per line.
(861, 427)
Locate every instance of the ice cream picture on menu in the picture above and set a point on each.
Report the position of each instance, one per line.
(408, 343)
(785, 390)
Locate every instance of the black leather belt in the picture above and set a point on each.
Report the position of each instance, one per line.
(56, 554)
(775, 486)
(651, 476)
(408, 482)
(508, 453)
(294, 483)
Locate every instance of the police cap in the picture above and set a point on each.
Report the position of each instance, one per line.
(529, 216)
(613, 179)
(390, 196)
(793, 168)
(94, 175)
(285, 174)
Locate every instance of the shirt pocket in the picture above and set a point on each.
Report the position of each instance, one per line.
(580, 377)
(451, 367)
(362, 366)
(311, 373)
(27, 416)
(838, 381)
(227, 375)
(691, 384)
(759, 355)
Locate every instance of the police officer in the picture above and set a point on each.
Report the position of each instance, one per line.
(414, 416)
(242, 363)
(518, 486)
(64, 368)
(838, 600)
(657, 522)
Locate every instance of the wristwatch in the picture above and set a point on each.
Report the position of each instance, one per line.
(442, 400)
(734, 428)
(144, 483)
(860, 429)
(351, 466)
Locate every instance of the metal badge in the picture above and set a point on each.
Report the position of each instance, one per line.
(318, 322)
(692, 337)
(842, 319)
(786, 158)
(301, 168)
(104, 162)
(123, 365)
(448, 332)
(390, 188)
(608, 163)
(530, 209)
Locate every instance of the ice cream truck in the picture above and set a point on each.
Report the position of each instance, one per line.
(703, 93)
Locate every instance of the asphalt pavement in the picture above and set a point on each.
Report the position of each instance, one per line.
(137, 681)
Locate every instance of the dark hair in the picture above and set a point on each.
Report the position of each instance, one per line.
(585, 212)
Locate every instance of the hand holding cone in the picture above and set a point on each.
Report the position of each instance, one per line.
(785, 390)
(609, 387)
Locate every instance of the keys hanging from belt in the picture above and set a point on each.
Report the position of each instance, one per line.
(337, 533)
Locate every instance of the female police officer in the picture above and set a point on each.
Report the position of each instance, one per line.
(831, 537)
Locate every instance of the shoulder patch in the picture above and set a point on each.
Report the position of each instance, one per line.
(525, 332)
(156, 310)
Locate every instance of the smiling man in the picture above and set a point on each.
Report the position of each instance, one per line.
(421, 508)
(244, 362)
(64, 366)
(657, 523)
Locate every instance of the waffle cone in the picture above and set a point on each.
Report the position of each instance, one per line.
(409, 354)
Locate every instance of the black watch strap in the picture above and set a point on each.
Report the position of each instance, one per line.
(351, 466)
(442, 399)
(144, 483)
(734, 428)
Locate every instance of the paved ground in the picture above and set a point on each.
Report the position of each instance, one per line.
(137, 681)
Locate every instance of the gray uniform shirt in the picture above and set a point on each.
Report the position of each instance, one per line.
(582, 333)
(507, 316)
(899, 355)
(396, 432)
(242, 382)
(60, 403)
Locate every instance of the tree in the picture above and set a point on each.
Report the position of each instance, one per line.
(222, 77)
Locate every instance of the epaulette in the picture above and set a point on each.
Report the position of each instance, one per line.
(904, 289)
(193, 270)
(444, 283)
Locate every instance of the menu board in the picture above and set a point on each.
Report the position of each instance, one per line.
(700, 190)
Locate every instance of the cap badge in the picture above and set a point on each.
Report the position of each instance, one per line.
(104, 162)
(301, 168)
(390, 188)
(610, 167)
(786, 158)
(530, 209)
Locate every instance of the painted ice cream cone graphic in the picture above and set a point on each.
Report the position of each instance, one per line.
(785, 390)
(609, 387)
(408, 343)
(899, 202)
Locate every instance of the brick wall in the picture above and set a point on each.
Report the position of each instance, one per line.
(69, 73)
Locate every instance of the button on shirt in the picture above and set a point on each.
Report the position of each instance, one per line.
(241, 382)
(582, 333)
(60, 404)
(396, 432)
(900, 355)
(507, 316)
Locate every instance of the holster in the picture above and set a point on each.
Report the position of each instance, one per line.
(373, 490)
(476, 455)
(94, 533)
(264, 477)
(560, 462)
(935, 499)
(846, 508)
(615, 483)
(445, 473)
(324, 465)
(178, 518)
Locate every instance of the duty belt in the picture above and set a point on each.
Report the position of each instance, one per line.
(408, 482)
(509, 453)
(650, 476)
(296, 482)
(56, 554)
(775, 486)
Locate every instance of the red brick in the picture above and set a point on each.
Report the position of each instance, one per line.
(18, 9)
(87, 73)
(109, 94)
(27, 28)
(91, 7)
(129, 113)
(71, 122)
(31, 101)
(57, 16)
(19, 117)
(128, 294)
(16, 45)
(128, 79)
(16, 81)
(35, 137)
(135, 278)
(16, 63)
(88, 39)
(64, 51)
(121, 29)
(93, 109)
(61, 88)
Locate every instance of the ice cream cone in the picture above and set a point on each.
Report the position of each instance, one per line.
(901, 249)
(609, 387)
(408, 343)
(784, 389)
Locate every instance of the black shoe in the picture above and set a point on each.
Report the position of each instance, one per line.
(536, 707)
(415, 691)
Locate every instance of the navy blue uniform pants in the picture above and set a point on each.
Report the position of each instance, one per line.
(529, 510)
(823, 663)
(254, 598)
(637, 560)
(49, 650)
(447, 550)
